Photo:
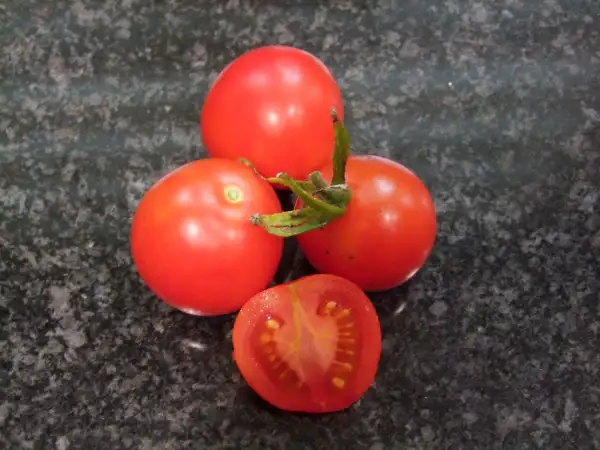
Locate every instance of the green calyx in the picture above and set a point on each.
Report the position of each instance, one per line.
(322, 202)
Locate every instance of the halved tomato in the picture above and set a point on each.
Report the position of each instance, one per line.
(312, 345)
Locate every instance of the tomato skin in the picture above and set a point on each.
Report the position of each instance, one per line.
(195, 247)
(315, 396)
(272, 106)
(388, 230)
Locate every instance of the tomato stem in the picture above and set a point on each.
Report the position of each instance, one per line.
(342, 150)
(291, 223)
(306, 185)
(318, 181)
(308, 198)
(333, 194)
(322, 203)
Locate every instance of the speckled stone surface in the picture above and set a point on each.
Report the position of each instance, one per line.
(493, 345)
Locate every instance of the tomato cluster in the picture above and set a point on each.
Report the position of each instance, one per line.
(208, 237)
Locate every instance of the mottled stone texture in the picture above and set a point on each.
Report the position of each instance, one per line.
(493, 345)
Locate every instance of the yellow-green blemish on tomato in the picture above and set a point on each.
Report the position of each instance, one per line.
(233, 194)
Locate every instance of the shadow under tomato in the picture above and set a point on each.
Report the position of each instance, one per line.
(198, 333)
(389, 303)
(250, 412)
(287, 199)
(246, 397)
(293, 265)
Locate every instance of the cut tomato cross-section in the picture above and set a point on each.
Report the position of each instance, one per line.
(312, 345)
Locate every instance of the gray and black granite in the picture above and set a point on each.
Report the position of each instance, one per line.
(495, 104)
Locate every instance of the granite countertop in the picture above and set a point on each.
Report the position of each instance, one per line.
(493, 345)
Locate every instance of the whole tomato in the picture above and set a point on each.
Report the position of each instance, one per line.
(272, 106)
(193, 243)
(388, 229)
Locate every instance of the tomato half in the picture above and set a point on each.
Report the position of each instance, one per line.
(312, 345)
(272, 106)
(388, 230)
(192, 240)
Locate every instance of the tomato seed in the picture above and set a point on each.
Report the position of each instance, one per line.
(326, 308)
(342, 314)
(272, 324)
(338, 382)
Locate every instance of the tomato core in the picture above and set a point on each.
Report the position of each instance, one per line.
(314, 346)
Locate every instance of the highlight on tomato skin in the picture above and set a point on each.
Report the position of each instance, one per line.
(312, 345)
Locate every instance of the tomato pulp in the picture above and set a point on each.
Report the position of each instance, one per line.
(193, 243)
(272, 106)
(312, 345)
(388, 229)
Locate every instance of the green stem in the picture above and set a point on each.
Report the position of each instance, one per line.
(291, 223)
(337, 194)
(306, 185)
(322, 203)
(322, 188)
(307, 198)
(318, 181)
(342, 150)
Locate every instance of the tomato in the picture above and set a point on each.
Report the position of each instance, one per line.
(387, 232)
(272, 106)
(312, 345)
(193, 243)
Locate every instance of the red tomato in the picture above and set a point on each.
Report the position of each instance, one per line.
(387, 232)
(272, 106)
(312, 345)
(192, 240)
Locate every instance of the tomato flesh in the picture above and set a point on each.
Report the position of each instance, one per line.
(312, 345)
(192, 241)
(272, 106)
(388, 230)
